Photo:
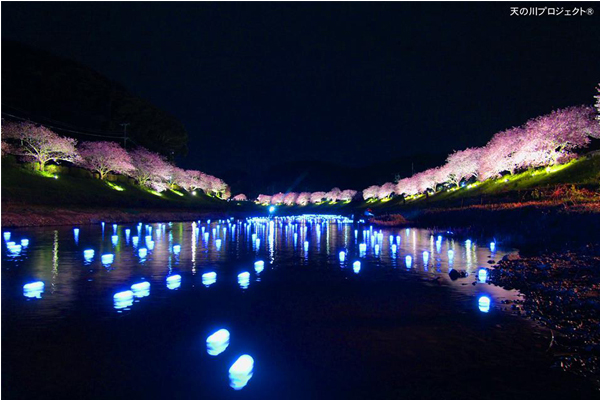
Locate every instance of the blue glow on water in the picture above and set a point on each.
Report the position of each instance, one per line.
(135, 240)
(259, 266)
(408, 261)
(217, 342)
(342, 256)
(241, 372)
(127, 233)
(150, 245)
(173, 282)
(6, 236)
(450, 254)
(115, 228)
(468, 244)
(425, 257)
(141, 289)
(123, 299)
(306, 245)
(15, 249)
(33, 290)
(362, 247)
(24, 242)
(209, 278)
(76, 234)
(114, 239)
(484, 303)
(244, 280)
(88, 255)
(176, 248)
(492, 246)
(356, 267)
(107, 259)
(482, 275)
(142, 252)
(394, 249)
(218, 244)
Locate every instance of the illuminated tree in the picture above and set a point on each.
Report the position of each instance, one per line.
(461, 165)
(303, 198)
(40, 144)
(290, 198)
(104, 158)
(277, 198)
(597, 105)
(496, 156)
(240, 197)
(157, 185)
(386, 190)
(370, 192)
(7, 148)
(149, 166)
(317, 197)
(333, 195)
(347, 195)
(263, 199)
(551, 138)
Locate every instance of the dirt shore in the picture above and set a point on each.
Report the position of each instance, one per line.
(33, 215)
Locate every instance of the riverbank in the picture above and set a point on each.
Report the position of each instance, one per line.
(22, 215)
(561, 292)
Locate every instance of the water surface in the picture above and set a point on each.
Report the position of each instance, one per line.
(292, 307)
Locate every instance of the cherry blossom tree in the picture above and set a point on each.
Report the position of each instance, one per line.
(263, 199)
(386, 190)
(303, 198)
(333, 195)
(7, 148)
(370, 192)
(317, 197)
(407, 186)
(104, 158)
(290, 198)
(40, 144)
(551, 138)
(461, 165)
(496, 156)
(347, 195)
(597, 105)
(277, 198)
(240, 197)
(157, 185)
(149, 166)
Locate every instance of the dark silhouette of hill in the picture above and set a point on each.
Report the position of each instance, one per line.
(316, 175)
(55, 91)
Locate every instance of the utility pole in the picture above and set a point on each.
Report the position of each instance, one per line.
(125, 125)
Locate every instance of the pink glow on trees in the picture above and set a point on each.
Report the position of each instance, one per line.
(40, 144)
(194, 180)
(597, 105)
(7, 148)
(407, 186)
(290, 198)
(149, 166)
(461, 165)
(551, 138)
(177, 177)
(333, 195)
(157, 185)
(240, 197)
(104, 158)
(496, 155)
(277, 198)
(317, 197)
(263, 199)
(303, 198)
(386, 190)
(347, 195)
(370, 192)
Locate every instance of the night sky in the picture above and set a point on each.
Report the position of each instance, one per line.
(355, 84)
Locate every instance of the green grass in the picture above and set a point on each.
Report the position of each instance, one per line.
(583, 172)
(20, 185)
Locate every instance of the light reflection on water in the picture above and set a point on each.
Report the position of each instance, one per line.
(57, 268)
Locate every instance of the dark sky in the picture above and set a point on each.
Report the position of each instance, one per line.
(352, 83)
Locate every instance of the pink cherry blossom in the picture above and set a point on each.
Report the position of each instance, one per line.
(303, 198)
(317, 197)
(240, 197)
(40, 144)
(104, 158)
(371, 192)
(290, 198)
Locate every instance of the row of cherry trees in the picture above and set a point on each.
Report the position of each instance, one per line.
(304, 198)
(543, 141)
(41, 145)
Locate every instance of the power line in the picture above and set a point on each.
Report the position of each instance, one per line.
(61, 129)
